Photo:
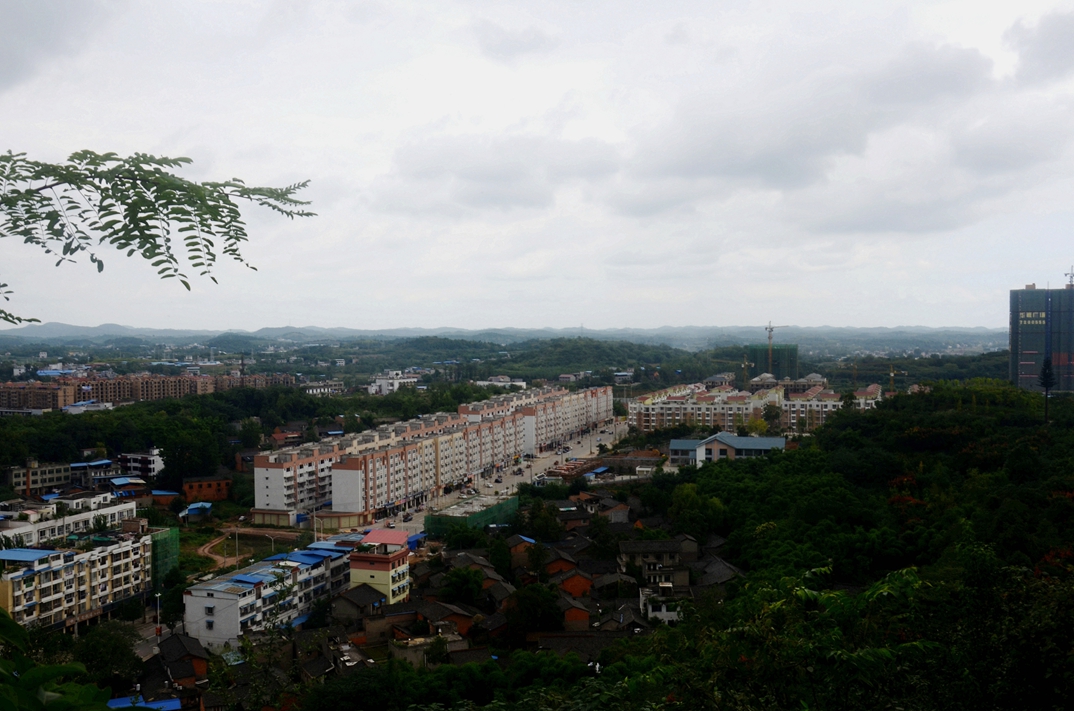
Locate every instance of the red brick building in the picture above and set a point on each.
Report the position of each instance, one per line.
(206, 488)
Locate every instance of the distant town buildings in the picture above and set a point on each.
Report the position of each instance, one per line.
(68, 390)
(390, 381)
(804, 404)
(1042, 326)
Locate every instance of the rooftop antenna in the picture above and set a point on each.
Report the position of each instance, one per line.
(1070, 277)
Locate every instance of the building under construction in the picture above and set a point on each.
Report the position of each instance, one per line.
(784, 360)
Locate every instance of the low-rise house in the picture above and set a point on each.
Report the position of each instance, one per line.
(207, 488)
(357, 603)
(661, 561)
(575, 582)
(519, 547)
(559, 561)
(575, 613)
(728, 446)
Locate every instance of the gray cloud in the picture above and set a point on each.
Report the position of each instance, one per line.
(787, 134)
(1045, 51)
(34, 32)
(506, 45)
(474, 172)
(1005, 140)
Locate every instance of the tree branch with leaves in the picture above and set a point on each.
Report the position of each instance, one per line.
(138, 205)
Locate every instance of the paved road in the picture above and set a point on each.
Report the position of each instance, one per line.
(581, 448)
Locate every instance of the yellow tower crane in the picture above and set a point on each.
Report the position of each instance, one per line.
(891, 375)
(746, 365)
(771, 328)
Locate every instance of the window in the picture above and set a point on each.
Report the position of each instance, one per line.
(209, 609)
(208, 624)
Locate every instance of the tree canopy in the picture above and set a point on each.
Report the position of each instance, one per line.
(138, 205)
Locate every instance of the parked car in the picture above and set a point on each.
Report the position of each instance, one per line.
(407, 518)
(391, 524)
(498, 480)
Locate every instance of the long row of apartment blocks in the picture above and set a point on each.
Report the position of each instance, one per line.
(727, 408)
(372, 474)
(60, 393)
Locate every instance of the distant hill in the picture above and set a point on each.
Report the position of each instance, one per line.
(812, 340)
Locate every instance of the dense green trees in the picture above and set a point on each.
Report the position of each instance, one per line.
(395, 686)
(196, 433)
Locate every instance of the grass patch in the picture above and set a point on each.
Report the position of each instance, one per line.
(252, 546)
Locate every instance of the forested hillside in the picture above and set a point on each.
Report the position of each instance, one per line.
(918, 556)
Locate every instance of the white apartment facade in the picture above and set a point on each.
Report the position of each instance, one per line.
(53, 587)
(400, 466)
(42, 524)
(279, 590)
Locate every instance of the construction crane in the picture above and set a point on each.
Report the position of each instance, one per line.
(892, 374)
(771, 328)
(746, 365)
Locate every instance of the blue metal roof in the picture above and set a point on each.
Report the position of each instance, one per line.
(23, 555)
(207, 505)
(323, 545)
(599, 470)
(164, 492)
(162, 705)
(49, 497)
(748, 442)
(299, 620)
(249, 579)
(684, 443)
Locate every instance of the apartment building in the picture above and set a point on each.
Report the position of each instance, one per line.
(729, 409)
(53, 587)
(390, 381)
(142, 464)
(27, 523)
(36, 478)
(383, 564)
(37, 396)
(143, 386)
(279, 590)
(258, 381)
(397, 467)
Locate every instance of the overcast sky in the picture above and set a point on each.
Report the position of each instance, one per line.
(612, 164)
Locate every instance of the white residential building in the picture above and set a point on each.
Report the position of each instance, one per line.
(51, 587)
(276, 591)
(390, 381)
(396, 467)
(42, 524)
